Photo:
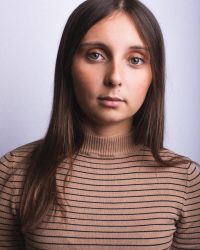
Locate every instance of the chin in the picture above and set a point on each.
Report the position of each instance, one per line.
(109, 120)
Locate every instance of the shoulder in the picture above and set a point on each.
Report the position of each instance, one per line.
(168, 154)
(183, 164)
(164, 153)
(171, 155)
(18, 158)
(177, 160)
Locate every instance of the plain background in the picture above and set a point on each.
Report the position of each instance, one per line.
(29, 40)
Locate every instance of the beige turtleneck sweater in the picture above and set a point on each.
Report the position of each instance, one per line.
(117, 198)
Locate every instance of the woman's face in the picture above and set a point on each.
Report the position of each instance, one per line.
(111, 73)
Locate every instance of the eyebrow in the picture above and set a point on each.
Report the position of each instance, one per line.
(104, 46)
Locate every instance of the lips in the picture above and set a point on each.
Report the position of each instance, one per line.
(109, 98)
(110, 102)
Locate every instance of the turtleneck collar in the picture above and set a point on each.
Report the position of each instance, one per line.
(108, 145)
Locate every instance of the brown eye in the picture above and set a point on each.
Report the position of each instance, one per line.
(136, 60)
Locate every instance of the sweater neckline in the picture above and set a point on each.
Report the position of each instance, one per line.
(108, 146)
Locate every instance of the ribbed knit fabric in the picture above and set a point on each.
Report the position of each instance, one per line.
(117, 198)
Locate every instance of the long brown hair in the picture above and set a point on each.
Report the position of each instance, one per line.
(65, 135)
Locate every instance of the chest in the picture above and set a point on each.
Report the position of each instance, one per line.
(132, 210)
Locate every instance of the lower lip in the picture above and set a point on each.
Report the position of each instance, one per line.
(110, 103)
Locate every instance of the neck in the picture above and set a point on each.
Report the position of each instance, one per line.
(109, 130)
(108, 146)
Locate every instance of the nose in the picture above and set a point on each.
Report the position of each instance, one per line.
(113, 76)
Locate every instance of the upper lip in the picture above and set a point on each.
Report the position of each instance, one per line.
(111, 98)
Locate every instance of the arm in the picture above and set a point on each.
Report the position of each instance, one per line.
(10, 234)
(187, 235)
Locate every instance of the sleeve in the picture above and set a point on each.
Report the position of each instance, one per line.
(187, 235)
(10, 234)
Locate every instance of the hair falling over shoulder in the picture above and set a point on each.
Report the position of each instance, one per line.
(65, 135)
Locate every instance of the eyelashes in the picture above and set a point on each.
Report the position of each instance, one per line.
(136, 60)
(97, 57)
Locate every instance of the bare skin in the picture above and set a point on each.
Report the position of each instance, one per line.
(111, 74)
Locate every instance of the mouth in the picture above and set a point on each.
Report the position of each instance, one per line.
(110, 102)
(110, 98)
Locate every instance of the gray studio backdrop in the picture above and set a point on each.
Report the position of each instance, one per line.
(29, 39)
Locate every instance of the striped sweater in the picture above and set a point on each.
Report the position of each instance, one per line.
(118, 198)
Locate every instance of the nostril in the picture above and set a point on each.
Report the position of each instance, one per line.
(113, 82)
(114, 73)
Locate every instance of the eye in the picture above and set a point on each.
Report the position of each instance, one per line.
(95, 56)
(136, 60)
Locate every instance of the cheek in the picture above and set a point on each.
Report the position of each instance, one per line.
(85, 91)
(139, 89)
(80, 80)
(86, 79)
(142, 92)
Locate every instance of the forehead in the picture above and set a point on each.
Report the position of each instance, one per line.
(117, 28)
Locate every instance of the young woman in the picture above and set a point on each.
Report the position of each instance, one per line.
(101, 179)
